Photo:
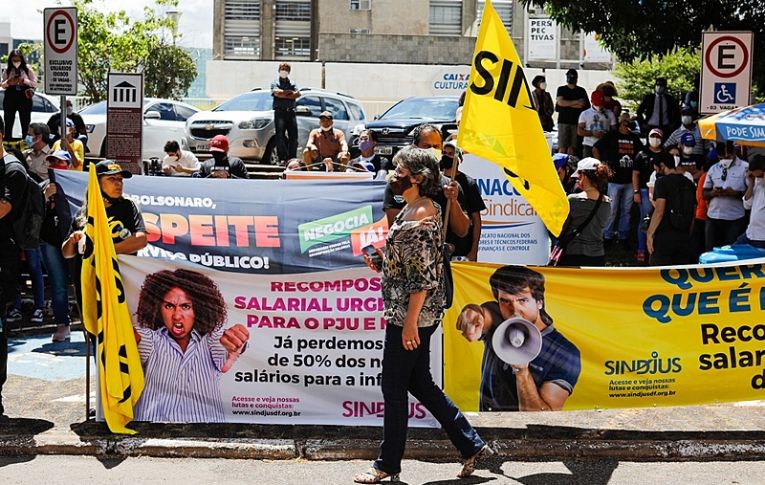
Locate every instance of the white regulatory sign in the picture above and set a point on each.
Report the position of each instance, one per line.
(726, 71)
(60, 32)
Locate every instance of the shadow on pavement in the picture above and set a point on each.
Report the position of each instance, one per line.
(62, 349)
(19, 434)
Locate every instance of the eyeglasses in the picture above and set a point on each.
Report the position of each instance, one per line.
(724, 174)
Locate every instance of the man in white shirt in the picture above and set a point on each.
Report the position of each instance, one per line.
(754, 200)
(179, 162)
(724, 188)
(594, 123)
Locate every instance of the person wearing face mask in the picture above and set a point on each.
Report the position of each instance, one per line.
(285, 92)
(221, 165)
(594, 123)
(724, 188)
(642, 171)
(369, 160)
(326, 148)
(686, 161)
(571, 100)
(80, 130)
(37, 142)
(659, 109)
(619, 149)
(19, 82)
(72, 145)
(177, 162)
(688, 126)
(754, 201)
(467, 246)
(543, 103)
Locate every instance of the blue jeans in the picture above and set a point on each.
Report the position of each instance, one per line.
(621, 200)
(743, 239)
(646, 209)
(34, 263)
(409, 371)
(58, 277)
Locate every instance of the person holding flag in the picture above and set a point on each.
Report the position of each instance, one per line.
(112, 225)
(499, 122)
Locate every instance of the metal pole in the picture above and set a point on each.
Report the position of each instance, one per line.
(62, 109)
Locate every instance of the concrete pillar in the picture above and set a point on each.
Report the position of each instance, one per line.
(468, 15)
(218, 9)
(267, 30)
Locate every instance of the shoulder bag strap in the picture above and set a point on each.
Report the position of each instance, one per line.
(563, 243)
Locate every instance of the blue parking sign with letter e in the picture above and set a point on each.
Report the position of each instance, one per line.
(725, 93)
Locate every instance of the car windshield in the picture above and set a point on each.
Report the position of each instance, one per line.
(441, 109)
(100, 108)
(254, 101)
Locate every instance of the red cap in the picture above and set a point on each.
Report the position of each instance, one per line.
(597, 98)
(219, 143)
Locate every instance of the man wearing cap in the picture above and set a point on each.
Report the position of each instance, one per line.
(619, 149)
(326, 148)
(129, 234)
(571, 101)
(368, 159)
(81, 131)
(75, 147)
(285, 92)
(54, 231)
(38, 149)
(466, 246)
(221, 165)
(594, 123)
(754, 201)
(688, 125)
(12, 192)
(547, 381)
(645, 162)
(686, 160)
(659, 109)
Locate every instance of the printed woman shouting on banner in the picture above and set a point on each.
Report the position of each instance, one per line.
(184, 349)
(413, 292)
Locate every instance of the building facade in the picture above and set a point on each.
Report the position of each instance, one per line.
(389, 31)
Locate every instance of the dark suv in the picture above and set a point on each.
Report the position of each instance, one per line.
(394, 127)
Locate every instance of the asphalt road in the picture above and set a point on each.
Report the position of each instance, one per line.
(86, 470)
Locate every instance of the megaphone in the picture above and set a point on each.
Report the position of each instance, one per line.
(517, 341)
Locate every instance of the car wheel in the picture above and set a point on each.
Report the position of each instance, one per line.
(271, 155)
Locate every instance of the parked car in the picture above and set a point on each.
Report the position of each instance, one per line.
(394, 127)
(163, 120)
(248, 122)
(43, 107)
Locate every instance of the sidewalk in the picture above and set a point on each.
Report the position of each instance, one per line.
(44, 399)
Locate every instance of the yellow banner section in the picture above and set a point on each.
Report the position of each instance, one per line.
(499, 122)
(604, 338)
(106, 315)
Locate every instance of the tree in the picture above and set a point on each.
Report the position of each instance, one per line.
(642, 29)
(112, 41)
(168, 72)
(680, 67)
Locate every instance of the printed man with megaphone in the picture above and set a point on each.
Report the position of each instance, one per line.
(527, 364)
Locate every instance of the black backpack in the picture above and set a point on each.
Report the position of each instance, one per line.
(681, 206)
(31, 213)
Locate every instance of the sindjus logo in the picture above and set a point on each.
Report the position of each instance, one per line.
(333, 227)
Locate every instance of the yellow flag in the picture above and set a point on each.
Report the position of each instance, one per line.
(106, 314)
(499, 122)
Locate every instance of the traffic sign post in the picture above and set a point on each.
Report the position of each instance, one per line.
(726, 71)
(60, 32)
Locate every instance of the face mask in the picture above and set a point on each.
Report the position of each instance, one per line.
(29, 140)
(677, 160)
(446, 162)
(171, 158)
(660, 90)
(69, 110)
(219, 157)
(654, 142)
(436, 153)
(687, 150)
(399, 185)
(694, 104)
(571, 79)
(366, 145)
(726, 162)
(326, 128)
(542, 86)
(596, 107)
(686, 120)
(284, 74)
(17, 64)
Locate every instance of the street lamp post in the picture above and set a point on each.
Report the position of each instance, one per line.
(175, 17)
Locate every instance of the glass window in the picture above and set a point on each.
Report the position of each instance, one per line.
(425, 109)
(95, 109)
(504, 9)
(312, 102)
(445, 17)
(357, 111)
(293, 10)
(293, 46)
(165, 110)
(182, 113)
(361, 4)
(337, 108)
(241, 28)
(255, 101)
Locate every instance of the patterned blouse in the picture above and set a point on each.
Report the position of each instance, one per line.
(414, 262)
